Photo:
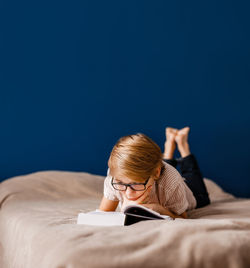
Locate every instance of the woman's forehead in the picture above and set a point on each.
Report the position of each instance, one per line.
(128, 180)
(123, 179)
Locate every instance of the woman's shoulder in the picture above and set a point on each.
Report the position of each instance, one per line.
(169, 177)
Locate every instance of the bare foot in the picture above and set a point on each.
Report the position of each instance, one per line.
(182, 141)
(170, 143)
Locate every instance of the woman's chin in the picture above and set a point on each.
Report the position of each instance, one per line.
(132, 199)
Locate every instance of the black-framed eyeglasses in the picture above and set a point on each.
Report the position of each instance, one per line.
(134, 186)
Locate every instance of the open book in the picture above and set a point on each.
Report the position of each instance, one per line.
(130, 215)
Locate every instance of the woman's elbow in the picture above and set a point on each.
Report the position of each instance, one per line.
(184, 215)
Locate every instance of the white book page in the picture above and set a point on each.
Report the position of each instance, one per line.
(101, 218)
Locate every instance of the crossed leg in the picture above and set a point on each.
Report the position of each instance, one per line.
(189, 167)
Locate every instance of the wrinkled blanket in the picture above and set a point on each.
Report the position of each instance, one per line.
(38, 214)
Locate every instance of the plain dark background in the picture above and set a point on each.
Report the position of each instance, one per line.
(78, 75)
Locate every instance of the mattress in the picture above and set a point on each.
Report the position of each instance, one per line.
(38, 215)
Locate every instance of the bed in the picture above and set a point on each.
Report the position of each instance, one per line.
(38, 214)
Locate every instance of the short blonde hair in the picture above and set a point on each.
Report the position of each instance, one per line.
(136, 157)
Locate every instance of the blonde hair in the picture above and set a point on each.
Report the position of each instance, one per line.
(136, 157)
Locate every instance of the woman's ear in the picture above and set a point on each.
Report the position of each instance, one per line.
(158, 171)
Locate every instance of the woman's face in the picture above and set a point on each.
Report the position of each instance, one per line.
(133, 195)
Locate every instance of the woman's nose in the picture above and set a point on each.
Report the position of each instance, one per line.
(129, 190)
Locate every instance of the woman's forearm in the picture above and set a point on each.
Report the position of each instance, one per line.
(174, 215)
(167, 212)
(164, 211)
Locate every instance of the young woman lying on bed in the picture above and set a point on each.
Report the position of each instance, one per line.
(139, 173)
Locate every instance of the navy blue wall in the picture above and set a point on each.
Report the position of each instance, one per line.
(77, 75)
